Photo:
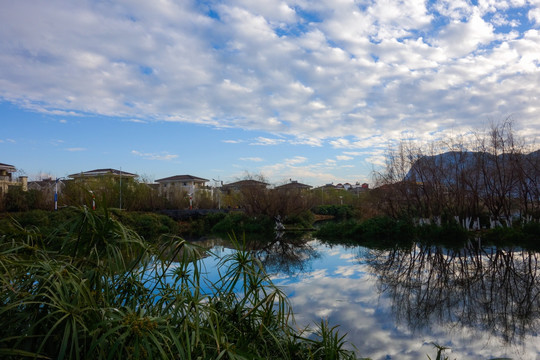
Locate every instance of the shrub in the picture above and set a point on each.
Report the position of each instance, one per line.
(449, 234)
(304, 219)
(238, 222)
(98, 296)
(148, 225)
(348, 230)
(18, 200)
(340, 212)
(386, 231)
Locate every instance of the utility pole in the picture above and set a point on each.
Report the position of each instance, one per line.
(218, 192)
(56, 194)
(120, 188)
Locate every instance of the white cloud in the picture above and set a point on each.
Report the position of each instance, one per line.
(356, 74)
(344, 157)
(311, 141)
(460, 38)
(76, 149)
(534, 15)
(165, 156)
(267, 141)
(255, 159)
(295, 160)
(137, 121)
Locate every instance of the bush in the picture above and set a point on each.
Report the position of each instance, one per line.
(449, 234)
(18, 200)
(98, 296)
(304, 220)
(387, 231)
(340, 212)
(148, 225)
(238, 222)
(378, 231)
(348, 230)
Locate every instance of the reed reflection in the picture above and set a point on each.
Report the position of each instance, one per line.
(489, 289)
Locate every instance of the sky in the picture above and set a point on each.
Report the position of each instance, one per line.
(309, 90)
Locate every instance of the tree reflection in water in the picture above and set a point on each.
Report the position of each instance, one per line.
(287, 254)
(485, 288)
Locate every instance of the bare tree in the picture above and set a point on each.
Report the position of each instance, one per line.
(458, 180)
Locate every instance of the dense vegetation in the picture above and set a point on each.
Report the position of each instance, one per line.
(482, 180)
(92, 289)
(384, 232)
(147, 225)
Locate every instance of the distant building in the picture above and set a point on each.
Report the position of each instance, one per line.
(244, 184)
(7, 181)
(293, 185)
(46, 186)
(102, 172)
(181, 183)
(359, 188)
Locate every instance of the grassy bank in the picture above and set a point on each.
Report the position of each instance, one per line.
(388, 232)
(151, 226)
(91, 289)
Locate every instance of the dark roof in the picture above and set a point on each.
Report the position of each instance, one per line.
(8, 167)
(182, 178)
(294, 185)
(102, 172)
(245, 183)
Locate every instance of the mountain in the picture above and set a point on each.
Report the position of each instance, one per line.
(452, 166)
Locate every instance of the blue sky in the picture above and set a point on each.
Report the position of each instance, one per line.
(314, 91)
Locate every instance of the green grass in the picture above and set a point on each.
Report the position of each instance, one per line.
(93, 289)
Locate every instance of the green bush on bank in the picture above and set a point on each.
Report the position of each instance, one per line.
(303, 220)
(239, 222)
(148, 225)
(383, 231)
(339, 212)
(18, 200)
(345, 230)
(450, 234)
(386, 231)
(526, 235)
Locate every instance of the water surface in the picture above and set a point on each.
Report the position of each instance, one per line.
(482, 302)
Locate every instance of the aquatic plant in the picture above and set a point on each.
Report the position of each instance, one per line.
(96, 289)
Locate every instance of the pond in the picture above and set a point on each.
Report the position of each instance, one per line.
(481, 302)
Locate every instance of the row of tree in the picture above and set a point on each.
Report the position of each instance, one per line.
(491, 178)
(133, 195)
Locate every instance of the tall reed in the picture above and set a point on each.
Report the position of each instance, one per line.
(97, 290)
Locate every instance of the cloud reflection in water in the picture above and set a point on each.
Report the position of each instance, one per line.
(355, 296)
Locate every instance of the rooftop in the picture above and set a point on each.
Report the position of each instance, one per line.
(182, 178)
(294, 185)
(7, 167)
(101, 172)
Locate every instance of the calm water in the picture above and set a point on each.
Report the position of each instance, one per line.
(483, 303)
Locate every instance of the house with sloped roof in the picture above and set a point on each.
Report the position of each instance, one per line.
(173, 185)
(102, 172)
(244, 184)
(7, 180)
(293, 185)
